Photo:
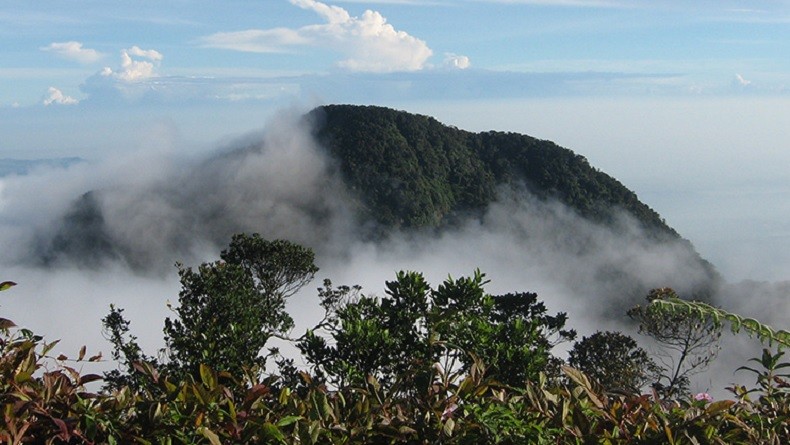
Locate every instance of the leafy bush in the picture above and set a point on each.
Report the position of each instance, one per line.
(449, 365)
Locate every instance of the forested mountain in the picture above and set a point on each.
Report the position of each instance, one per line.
(413, 171)
(373, 172)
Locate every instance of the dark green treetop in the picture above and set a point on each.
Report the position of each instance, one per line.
(614, 360)
(398, 338)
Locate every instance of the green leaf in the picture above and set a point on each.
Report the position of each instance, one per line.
(207, 376)
(210, 435)
(271, 431)
(48, 347)
(718, 406)
(288, 420)
(5, 285)
(449, 425)
(23, 377)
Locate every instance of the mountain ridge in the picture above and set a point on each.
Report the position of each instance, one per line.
(387, 154)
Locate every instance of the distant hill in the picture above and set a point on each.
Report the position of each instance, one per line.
(25, 166)
(413, 171)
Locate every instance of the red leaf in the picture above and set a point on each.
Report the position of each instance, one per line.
(87, 378)
(64, 429)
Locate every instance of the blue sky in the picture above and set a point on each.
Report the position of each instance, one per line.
(55, 52)
(686, 102)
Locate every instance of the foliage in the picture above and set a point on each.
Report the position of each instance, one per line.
(412, 171)
(770, 414)
(126, 351)
(614, 360)
(227, 312)
(671, 305)
(442, 372)
(687, 344)
(278, 268)
(399, 338)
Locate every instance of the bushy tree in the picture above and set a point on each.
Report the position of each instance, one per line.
(227, 310)
(399, 338)
(614, 360)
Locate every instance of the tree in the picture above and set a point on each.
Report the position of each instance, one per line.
(279, 268)
(126, 351)
(228, 309)
(513, 334)
(399, 338)
(687, 343)
(614, 360)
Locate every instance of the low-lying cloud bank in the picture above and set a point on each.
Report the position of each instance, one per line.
(82, 237)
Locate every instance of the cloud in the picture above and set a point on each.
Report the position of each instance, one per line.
(368, 42)
(55, 96)
(398, 2)
(741, 81)
(134, 80)
(576, 3)
(275, 40)
(73, 51)
(148, 54)
(456, 61)
(135, 70)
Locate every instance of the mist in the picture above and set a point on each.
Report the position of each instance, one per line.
(158, 206)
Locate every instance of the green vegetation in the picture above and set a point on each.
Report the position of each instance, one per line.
(688, 343)
(412, 171)
(421, 365)
(398, 338)
(614, 360)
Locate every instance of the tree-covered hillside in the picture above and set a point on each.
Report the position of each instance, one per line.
(412, 171)
(369, 172)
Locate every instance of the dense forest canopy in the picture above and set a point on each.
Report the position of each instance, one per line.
(411, 170)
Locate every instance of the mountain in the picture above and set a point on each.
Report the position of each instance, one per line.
(377, 171)
(413, 171)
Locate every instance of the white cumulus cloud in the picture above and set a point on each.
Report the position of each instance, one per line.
(73, 51)
(150, 54)
(55, 96)
(457, 61)
(369, 43)
(134, 69)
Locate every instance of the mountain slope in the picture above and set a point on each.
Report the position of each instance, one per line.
(412, 171)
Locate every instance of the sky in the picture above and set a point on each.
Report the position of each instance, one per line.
(685, 102)
(63, 53)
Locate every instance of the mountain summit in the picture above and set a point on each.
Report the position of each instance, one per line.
(413, 171)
